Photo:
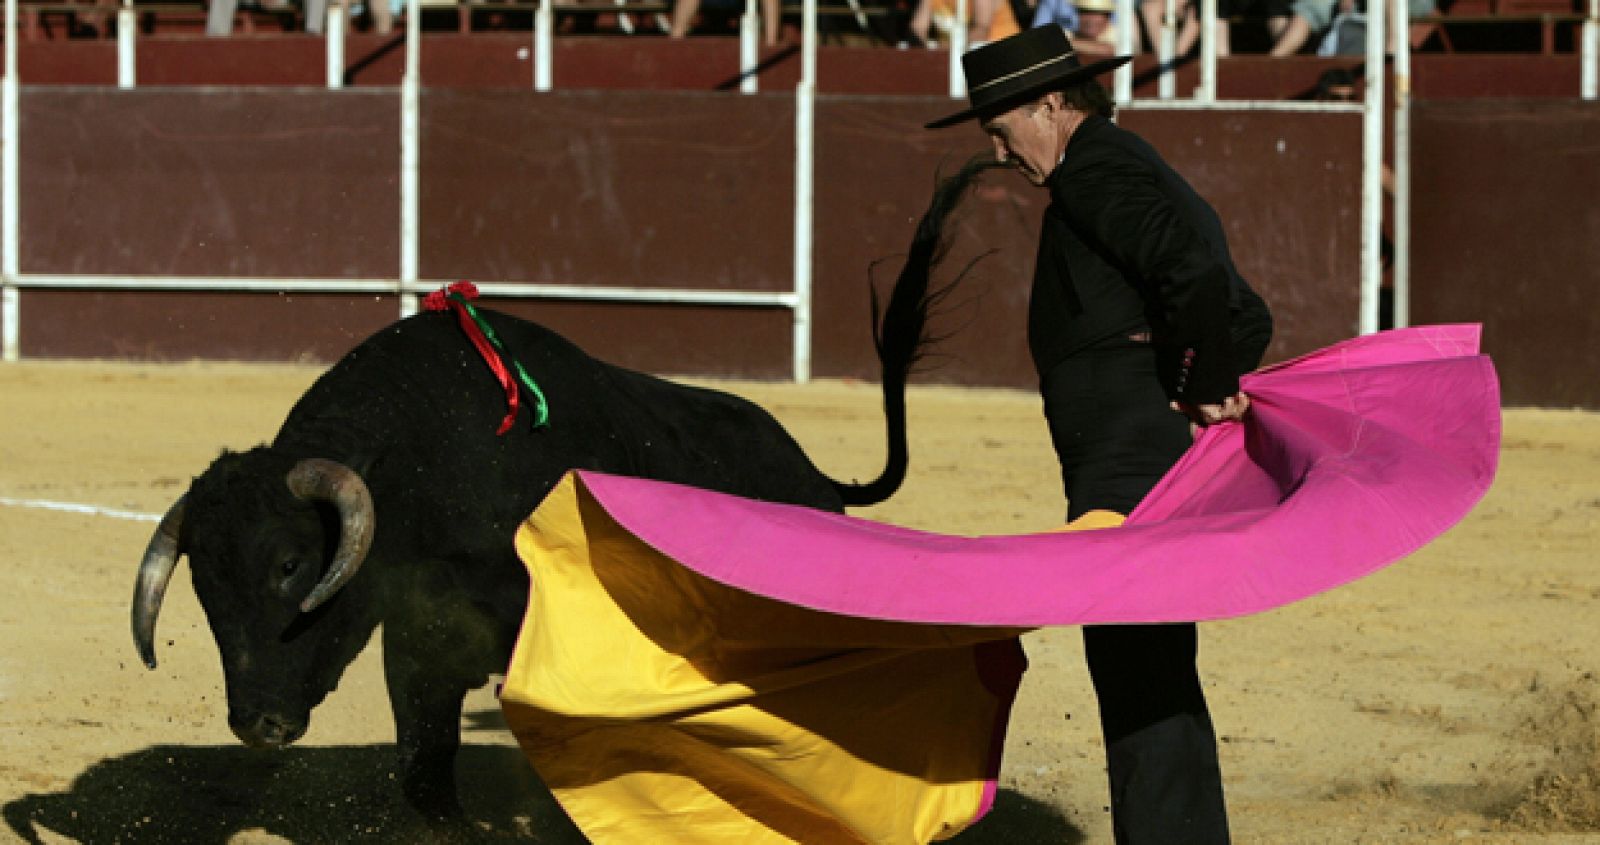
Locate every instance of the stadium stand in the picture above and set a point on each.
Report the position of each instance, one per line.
(1547, 27)
(1544, 26)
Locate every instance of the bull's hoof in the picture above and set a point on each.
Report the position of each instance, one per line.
(438, 807)
(454, 829)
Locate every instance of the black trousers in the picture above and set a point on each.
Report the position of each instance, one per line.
(1116, 437)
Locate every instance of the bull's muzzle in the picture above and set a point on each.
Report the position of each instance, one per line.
(266, 730)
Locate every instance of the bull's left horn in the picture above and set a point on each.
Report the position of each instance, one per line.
(317, 478)
(160, 559)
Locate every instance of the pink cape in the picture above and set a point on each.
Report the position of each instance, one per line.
(696, 667)
(1351, 458)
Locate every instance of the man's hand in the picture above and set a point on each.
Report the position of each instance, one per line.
(1231, 408)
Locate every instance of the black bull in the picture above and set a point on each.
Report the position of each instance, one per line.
(390, 466)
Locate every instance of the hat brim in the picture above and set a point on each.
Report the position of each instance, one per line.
(1034, 89)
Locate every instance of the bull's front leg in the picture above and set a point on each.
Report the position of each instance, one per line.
(427, 719)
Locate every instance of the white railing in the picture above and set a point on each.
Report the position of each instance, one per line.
(411, 160)
(9, 299)
(409, 286)
(1122, 80)
(805, 106)
(1590, 74)
(127, 31)
(1402, 166)
(1372, 171)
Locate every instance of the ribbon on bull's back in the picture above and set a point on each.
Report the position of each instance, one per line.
(457, 297)
(770, 653)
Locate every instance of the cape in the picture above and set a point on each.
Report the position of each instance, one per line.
(697, 667)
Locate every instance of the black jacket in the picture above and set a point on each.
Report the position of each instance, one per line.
(1127, 247)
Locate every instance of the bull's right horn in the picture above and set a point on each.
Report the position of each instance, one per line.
(160, 559)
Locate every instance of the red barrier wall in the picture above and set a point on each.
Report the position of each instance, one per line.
(639, 189)
(656, 188)
(692, 190)
(1506, 232)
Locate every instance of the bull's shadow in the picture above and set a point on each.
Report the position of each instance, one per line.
(1017, 819)
(209, 794)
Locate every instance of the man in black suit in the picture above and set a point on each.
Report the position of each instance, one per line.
(1139, 325)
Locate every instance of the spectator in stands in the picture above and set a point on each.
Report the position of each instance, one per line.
(1336, 27)
(381, 14)
(1310, 17)
(1093, 23)
(684, 11)
(987, 20)
(220, 14)
(1276, 14)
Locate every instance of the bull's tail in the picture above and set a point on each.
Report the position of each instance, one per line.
(900, 330)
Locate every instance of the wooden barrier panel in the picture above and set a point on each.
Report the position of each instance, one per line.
(1506, 232)
(226, 182)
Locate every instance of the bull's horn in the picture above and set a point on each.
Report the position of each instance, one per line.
(316, 478)
(160, 559)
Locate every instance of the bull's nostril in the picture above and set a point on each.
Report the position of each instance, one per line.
(272, 729)
(267, 731)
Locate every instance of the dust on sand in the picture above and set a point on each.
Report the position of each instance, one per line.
(1449, 698)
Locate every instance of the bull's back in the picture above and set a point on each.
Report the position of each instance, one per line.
(659, 429)
(718, 441)
(420, 384)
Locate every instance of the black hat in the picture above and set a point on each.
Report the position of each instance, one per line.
(1012, 70)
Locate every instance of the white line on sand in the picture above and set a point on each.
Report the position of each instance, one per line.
(73, 507)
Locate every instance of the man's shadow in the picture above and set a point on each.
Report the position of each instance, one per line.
(209, 794)
(1018, 819)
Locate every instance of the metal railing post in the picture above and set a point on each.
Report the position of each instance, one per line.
(544, 27)
(1122, 81)
(1589, 87)
(1167, 88)
(1207, 93)
(958, 47)
(1372, 172)
(805, 97)
(338, 15)
(749, 48)
(410, 159)
(10, 301)
(127, 58)
(1401, 222)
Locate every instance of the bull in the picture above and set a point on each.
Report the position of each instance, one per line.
(387, 498)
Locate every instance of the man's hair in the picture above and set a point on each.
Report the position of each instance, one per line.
(1089, 97)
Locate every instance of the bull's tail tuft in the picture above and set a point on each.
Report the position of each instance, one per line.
(900, 328)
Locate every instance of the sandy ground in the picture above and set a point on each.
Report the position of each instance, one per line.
(1450, 698)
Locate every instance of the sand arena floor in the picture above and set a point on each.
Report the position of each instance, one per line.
(1450, 698)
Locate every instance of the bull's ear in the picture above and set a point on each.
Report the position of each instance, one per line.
(363, 462)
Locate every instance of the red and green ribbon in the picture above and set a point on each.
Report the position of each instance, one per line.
(455, 298)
